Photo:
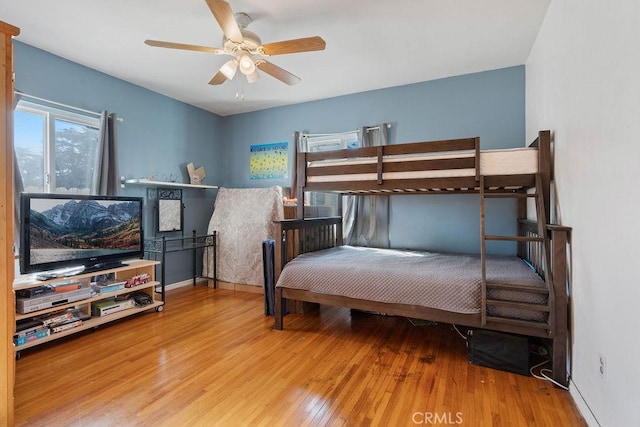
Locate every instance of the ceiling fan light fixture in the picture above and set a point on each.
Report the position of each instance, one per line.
(247, 66)
(229, 69)
(253, 76)
(246, 48)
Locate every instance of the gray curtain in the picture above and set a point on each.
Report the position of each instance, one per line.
(300, 146)
(106, 181)
(18, 187)
(365, 219)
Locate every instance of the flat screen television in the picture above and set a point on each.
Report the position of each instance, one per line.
(60, 231)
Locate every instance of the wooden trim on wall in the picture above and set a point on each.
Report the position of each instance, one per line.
(7, 260)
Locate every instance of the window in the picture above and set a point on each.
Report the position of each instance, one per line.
(57, 150)
(329, 142)
(332, 141)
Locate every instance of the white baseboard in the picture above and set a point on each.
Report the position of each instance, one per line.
(221, 285)
(584, 409)
(188, 282)
(255, 289)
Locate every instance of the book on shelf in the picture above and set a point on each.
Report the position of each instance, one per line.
(34, 292)
(58, 318)
(109, 286)
(65, 326)
(32, 336)
(27, 331)
(66, 288)
(26, 324)
(71, 318)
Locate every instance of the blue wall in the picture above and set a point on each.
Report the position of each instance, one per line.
(158, 135)
(490, 105)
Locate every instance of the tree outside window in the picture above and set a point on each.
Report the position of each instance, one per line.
(57, 150)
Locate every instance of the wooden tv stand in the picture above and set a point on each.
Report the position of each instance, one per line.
(131, 269)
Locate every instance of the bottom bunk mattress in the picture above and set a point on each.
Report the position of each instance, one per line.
(448, 282)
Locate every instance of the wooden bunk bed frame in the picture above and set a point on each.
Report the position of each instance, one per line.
(543, 246)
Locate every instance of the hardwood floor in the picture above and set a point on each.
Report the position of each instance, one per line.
(212, 358)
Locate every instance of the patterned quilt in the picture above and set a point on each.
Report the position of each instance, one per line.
(243, 218)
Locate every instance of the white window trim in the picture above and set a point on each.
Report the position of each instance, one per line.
(329, 142)
(51, 114)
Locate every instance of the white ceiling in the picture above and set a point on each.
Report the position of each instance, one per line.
(371, 44)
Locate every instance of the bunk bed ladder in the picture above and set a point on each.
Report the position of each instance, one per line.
(541, 237)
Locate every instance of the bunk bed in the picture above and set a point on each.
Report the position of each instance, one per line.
(525, 295)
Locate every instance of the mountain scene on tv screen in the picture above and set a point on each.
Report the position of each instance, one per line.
(87, 225)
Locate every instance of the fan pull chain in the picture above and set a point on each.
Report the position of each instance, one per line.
(240, 88)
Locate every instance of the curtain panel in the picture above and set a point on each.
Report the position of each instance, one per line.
(365, 219)
(300, 146)
(106, 181)
(18, 187)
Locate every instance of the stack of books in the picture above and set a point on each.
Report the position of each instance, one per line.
(38, 327)
(30, 330)
(61, 321)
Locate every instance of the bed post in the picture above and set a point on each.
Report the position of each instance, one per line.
(278, 251)
(280, 259)
(559, 240)
(301, 176)
(279, 315)
(544, 168)
(296, 237)
(476, 143)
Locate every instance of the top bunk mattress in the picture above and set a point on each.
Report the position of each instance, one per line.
(513, 161)
(448, 282)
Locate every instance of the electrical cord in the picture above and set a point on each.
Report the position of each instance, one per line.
(459, 333)
(543, 372)
(543, 375)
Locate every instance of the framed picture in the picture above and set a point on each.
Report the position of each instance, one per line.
(269, 161)
(169, 209)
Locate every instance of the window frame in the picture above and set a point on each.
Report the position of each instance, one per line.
(50, 115)
(329, 142)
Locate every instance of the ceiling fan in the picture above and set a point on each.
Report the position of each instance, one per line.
(246, 47)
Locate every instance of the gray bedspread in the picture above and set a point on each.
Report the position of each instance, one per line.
(443, 281)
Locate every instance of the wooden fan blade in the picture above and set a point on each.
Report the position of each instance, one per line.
(171, 45)
(277, 72)
(224, 15)
(307, 44)
(218, 79)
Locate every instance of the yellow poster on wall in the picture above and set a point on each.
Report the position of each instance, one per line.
(269, 161)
